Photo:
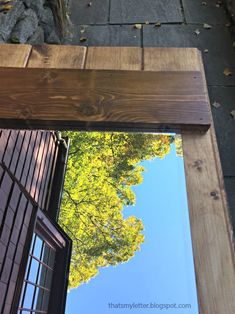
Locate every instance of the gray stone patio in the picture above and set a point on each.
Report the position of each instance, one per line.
(111, 23)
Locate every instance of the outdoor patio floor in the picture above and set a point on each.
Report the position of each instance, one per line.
(111, 23)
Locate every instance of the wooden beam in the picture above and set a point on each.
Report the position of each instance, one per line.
(98, 99)
(210, 226)
(14, 56)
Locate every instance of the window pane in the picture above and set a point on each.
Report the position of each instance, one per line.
(41, 301)
(45, 277)
(51, 259)
(38, 247)
(33, 270)
(28, 299)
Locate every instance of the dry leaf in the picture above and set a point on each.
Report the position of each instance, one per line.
(227, 72)
(5, 7)
(197, 31)
(206, 50)
(147, 22)
(228, 24)
(82, 31)
(89, 4)
(216, 104)
(83, 39)
(233, 114)
(204, 3)
(207, 26)
(138, 26)
(158, 24)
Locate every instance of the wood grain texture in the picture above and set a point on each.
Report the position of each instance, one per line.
(71, 98)
(210, 227)
(54, 56)
(121, 58)
(170, 59)
(14, 56)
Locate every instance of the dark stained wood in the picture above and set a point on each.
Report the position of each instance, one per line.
(95, 99)
(19, 213)
(30, 156)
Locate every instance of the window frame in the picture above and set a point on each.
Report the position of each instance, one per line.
(209, 218)
(57, 238)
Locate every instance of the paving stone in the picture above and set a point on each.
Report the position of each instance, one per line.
(224, 126)
(217, 40)
(81, 13)
(105, 35)
(140, 11)
(230, 189)
(196, 12)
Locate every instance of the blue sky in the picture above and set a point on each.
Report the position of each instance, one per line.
(162, 272)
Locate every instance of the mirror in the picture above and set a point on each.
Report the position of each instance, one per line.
(125, 208)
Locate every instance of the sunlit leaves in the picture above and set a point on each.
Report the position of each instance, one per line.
(102, 168)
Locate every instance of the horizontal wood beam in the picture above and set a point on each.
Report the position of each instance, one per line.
(99, 99)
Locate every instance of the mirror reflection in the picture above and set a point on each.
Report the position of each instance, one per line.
(125, 208)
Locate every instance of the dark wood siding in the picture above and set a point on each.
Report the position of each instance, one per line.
(30, 156)
(27, 167)
(17, 220)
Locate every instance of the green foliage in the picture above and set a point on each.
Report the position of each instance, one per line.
(102, 168)
(178, 145)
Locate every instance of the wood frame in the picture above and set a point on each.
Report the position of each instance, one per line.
(96, 99)
(209, 219)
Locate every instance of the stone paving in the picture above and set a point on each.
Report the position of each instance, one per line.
(111, 23)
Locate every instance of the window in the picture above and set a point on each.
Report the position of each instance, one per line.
(38, 278)
(43, 284)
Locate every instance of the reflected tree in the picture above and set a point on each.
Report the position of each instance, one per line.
(102, 168)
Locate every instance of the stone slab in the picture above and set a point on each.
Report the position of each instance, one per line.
(81, 13)
(140, 11)
(217, 40)
(105, 35)
(224, 126)
(196, 12)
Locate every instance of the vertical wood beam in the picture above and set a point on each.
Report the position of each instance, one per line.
(210, 227)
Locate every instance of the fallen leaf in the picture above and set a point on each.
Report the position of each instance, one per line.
(207, 26)
(89, 4)
(216, 104)
(6, 7)
(83, 39)
(158, 24)
(197, 31)
(206, 50)
(228, 24)
(82, 31)
(146, 22)
(204, 3)
(227, 72)
(233, 114)
(138, 26)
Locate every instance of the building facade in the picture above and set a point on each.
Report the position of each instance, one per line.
(34, 250)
